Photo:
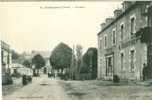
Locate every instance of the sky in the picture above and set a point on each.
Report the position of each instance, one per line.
(41, 26)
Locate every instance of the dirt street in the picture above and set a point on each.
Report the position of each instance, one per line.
(44, 88)
(106, 90)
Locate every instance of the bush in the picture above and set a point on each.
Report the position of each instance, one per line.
(29, 78)
(116, 79)
(17, 75)
(7, 79)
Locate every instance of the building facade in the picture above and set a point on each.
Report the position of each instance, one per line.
(122, 43)
(6, 60)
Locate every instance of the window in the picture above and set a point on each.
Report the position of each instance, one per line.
(105, 41)
(122, 31)
(122, 61)
(132, 25)
(132, 57)
(100, 43)
(110, 66)
(8, 59)
(113, 37)
(2, 57)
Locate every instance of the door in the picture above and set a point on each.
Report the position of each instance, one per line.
(109, 66)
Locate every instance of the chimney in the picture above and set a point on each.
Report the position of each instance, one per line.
(109, 20)
(102, 25)
(126, 4)
(117, 12)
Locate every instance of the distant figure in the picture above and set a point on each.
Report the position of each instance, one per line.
(145, 72)
(51, 75)
(44, 70)
(24, 80)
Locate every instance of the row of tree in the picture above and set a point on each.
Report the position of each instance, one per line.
(66, 60)
(61, 57)
(90, 62)
(73, 61)
(37, 61)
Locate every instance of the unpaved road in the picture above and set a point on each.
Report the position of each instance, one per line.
(106, 90)
(42, 88)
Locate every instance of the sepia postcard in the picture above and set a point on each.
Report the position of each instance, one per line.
(75, 50)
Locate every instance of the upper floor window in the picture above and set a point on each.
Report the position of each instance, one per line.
(122, 31)
(132, 25)
(105, 41)
(113, 37)
(100, 43)
(2, 58)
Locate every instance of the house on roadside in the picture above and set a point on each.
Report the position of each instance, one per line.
(125, 42)
(6, 60)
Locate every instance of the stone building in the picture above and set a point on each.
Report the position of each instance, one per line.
(6, 61)
(124, 42)
(5, 57)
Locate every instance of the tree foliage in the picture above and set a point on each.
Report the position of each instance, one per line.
(27, 63)
(38, 61)
(15, 55)
(84, 67)
(78, 51)
(90, 62)
(79, 57)
(61, 56)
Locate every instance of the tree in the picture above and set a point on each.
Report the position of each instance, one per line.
(15, 55)
(93, 61)
(38, 61)
(61, 56)
(90, 61)
(85, 65)
(27, 63)
(78, 56)
(73, 64)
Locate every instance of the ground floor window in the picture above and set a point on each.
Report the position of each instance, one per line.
(122, 62)
(132, 57)
(101, 66)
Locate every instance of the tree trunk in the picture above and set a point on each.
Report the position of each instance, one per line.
(37, 71)
(62, 70)
(33, 71)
